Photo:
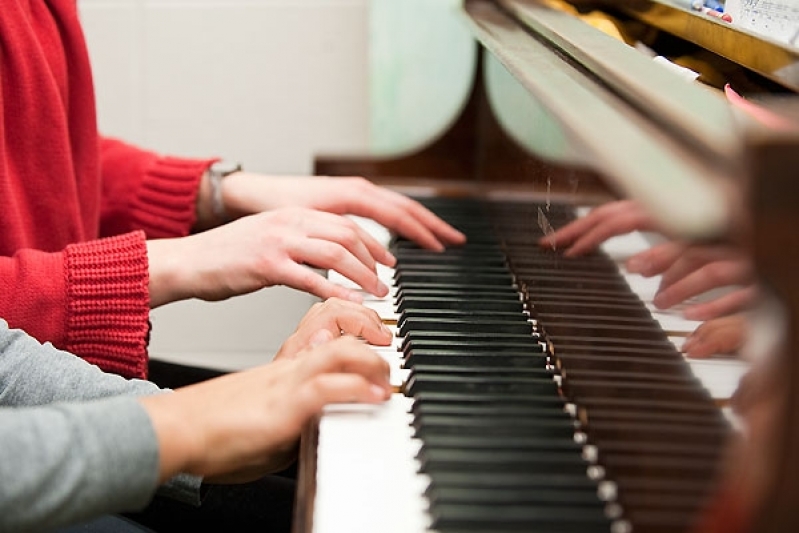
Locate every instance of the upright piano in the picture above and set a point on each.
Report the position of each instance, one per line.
(540, 393)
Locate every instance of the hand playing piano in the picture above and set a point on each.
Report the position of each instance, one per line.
(331, 319)
(241, 426)
(245, 194)
(687, 271)
(264, 250)
(690, 271)
(587, 233)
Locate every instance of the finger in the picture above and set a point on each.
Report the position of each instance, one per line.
(443, 232)
(337, 316)
(304, 279)
(366, 324)
(655, 260)
(605, 214)
(326, 389)
(331, 256)
(566, 235)
(342, 231)
(734, 302)
(347, 355)
(696, 257)
(710, 276)
(412, 220)
(719, 336)
(619, 224)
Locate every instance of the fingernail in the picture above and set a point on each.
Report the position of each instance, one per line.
(386, 329)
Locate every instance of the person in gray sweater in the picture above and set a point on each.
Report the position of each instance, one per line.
(78, 443)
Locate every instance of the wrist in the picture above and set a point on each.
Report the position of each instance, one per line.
(166, 280)
(212, 206)
(177, 447)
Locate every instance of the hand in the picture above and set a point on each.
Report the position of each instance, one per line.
(242, 426)
(245, 194)
(718, 336)
(689, 271)
(264, 250)
(331, 319)
(587, 233)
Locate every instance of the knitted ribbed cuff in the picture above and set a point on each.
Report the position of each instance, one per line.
(108, 303)
(166, 204)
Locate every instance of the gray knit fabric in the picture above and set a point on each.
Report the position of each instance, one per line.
(74, 441)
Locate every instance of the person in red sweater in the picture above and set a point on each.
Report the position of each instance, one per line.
(94, 232)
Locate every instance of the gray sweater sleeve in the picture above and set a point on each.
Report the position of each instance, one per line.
(75, 441)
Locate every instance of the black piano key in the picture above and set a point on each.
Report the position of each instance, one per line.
(512, 305)
(496, 345)
(461, 315)
(460, 399)
(475, 385)
(585, 309)
(606, 331)
(435, 460)
(607, 320)
(409, 279)
(459, 358)
(577, 388)
(448, 268)
(499, 410)
(442, 325)
(513, 518)
(639, 376)
(518, 496)
(557, 428)
(476, 337)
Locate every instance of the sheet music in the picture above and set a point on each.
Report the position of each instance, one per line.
(777, 19)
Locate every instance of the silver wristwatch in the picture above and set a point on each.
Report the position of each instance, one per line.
(216, 172)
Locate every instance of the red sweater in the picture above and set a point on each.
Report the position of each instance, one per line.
(75, 208)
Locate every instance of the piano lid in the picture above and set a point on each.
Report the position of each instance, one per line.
(676, 146)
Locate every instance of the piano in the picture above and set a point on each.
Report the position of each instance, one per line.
(539, 393)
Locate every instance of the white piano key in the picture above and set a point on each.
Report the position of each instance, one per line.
(719, 374)
(363, 451)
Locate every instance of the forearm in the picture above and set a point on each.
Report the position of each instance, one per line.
(69, 462)
(147, 191)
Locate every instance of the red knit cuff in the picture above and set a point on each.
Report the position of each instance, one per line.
(166, 204)
(108, 303)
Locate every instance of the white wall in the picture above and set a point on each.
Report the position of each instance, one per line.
(266, 82)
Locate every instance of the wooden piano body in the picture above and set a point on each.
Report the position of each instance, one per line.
(705, 170)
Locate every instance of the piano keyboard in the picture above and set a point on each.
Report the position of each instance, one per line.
(540, 394)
